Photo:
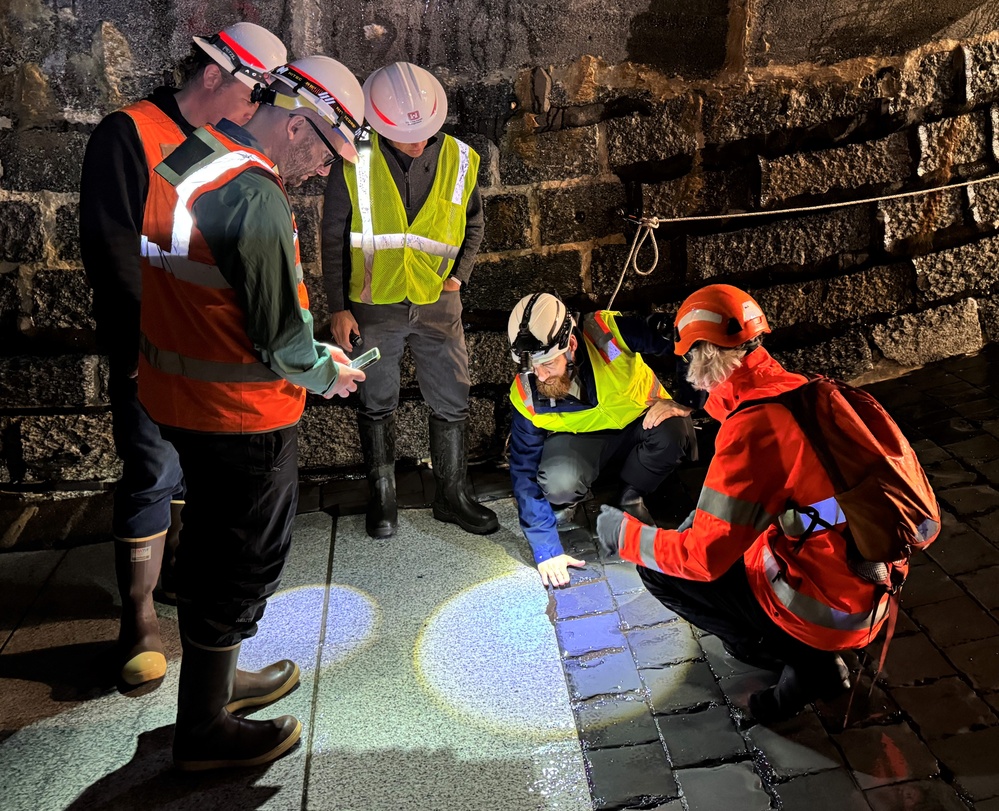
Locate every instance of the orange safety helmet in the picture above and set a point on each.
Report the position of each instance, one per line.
(719, 314)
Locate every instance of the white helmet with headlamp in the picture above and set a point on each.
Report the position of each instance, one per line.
(328, 87)
(246, 51)
(539, 329)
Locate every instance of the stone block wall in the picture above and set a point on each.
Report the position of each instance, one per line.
(581, 117)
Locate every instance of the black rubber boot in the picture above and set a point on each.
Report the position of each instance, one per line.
(631, 502)
(453, 502)
(793, 691)
(378, 447)
(257, 688)
(166, 591)
(208, 736)
(137, 568)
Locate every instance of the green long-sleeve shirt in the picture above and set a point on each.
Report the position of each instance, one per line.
(247, 224)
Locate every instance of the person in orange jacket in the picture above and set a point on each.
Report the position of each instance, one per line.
(737, 567)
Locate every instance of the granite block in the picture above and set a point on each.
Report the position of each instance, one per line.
(681, 687)
(795, 748)
(732, 785)
(954, 621)
(981, 584)
(960, 549)
(946, 707)
(914, 659)
(663, 644)
(615, 721)
(630, 775)
(708, 736)
(972, 760)
(927, 584)
(826, 791)
(978, 661)
(922, 795)
(604, 674)
(623, 577)
(640, 609)
(579, 601)
(590, 634)
(881, 755)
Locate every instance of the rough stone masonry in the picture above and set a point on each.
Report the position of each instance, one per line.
(582, 113)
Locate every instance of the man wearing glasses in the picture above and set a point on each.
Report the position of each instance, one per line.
(226, 356)
(220, 75)
(585, 400)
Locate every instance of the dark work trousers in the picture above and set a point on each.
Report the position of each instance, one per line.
(242, 493)
(151, 476)
(437, 340)
(570, 463)
(727, 608)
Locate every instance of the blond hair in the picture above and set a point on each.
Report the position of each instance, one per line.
(711, 365)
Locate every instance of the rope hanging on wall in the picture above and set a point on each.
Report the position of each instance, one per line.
(646, 225)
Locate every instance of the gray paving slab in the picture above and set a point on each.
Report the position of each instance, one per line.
(615, 721)
(825, 791)
(880, 755)
(972, 760)
(441, 680)
(696, 738)
(732, 785)
(922, 795)
(630, 775)
(113, 751)
(797, 747)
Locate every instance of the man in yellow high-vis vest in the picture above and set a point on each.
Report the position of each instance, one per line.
(400, 232)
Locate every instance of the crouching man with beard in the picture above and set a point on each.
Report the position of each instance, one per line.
(584, 401)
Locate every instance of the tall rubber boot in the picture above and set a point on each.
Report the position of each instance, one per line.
(137, 568)
(207, 735)
(631, 502)
(166, 591)
(378, 447)
(256, 688)
(453, 502)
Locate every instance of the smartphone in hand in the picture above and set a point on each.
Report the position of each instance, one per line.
(366, 359)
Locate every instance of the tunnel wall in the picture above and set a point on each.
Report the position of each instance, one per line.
(583, 113)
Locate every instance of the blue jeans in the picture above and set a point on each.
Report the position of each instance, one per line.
(151, 475)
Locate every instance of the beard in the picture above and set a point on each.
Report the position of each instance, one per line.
(299, 161)
(555, 388)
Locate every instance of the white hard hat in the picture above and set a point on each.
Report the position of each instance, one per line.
(404, 103)
(246, 51)
(328, 87)
(539, 326)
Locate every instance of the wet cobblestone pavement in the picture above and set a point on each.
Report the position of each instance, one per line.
(659, 709)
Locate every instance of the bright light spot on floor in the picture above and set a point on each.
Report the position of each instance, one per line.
(289, 629)
(485, 656)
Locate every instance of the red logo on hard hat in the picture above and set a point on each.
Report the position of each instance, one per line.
(414, 116)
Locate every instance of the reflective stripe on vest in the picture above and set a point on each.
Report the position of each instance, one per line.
(434, 234)
(798, 520)
(814, 611)
(180, 267)
(210, 371)
(599, 333)
(735, 511)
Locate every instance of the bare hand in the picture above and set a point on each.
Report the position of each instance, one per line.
(346, 381)
(450, 285)
(555, 571)
(342, 324)
(662, 410)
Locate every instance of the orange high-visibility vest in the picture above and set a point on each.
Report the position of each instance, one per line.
(158, 133)
(762, 487)
(198, 369)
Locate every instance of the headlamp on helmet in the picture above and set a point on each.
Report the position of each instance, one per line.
(532, 342)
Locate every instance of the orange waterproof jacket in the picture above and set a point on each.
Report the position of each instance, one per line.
(198, 369)
(762, 469)
(158, 132)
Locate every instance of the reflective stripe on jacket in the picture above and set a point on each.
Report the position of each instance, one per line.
(625, 384)
(392, 259)
(198, 369)
(762, 468)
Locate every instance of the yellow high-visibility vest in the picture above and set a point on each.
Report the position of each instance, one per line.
(626, 386)
(391, 259)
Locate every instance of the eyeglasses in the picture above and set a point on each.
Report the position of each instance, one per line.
(333, 153)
